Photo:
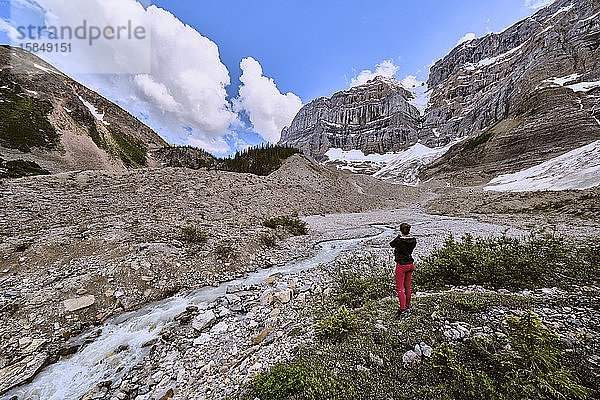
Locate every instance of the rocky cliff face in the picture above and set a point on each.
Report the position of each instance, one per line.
(524, 95)
(518, 98)
(375, 117)
(48, 119)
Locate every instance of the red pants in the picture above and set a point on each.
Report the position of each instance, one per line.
(403, 275)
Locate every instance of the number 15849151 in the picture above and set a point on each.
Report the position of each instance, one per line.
(46, 47)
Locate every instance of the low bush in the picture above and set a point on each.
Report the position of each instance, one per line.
(292, 223)
(268, 240)
(225, 251)
(363, 277)
(532, 369)
(193, 234)
(300, 380)
(338, 325)
(468, 305)
(500, 262)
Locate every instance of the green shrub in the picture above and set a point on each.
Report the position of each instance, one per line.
(496, 262)
(292, 223)
(338, 325)
(531, 370)
(585, 264)
(268, 240)
(363, 277)
(193, 234)
(225, 251)
(535, 367)
(300, 380)
(20, 168)
(468, 305)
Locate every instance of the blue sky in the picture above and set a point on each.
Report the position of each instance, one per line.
(299, 50)
(313, 48)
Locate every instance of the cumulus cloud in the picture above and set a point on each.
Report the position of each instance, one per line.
(467, 38)
(385, 68)
(174, 77)
(268, 109)
(411, 81)
(535, 4)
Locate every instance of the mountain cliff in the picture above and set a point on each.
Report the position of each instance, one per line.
(523, 96)
(52, 123)
(375, 118)
(512, 100)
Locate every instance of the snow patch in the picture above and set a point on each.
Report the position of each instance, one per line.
(404, 168)
(584, 86)
(560, 11)
(421, 96)
(577, 169)
(42, 68)
(576, 87)
(93, 110)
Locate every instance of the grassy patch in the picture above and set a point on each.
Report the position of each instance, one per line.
(499, 262)
(482, 138)
(193, 234)
(24, 120)
(130, 150)
(293, 224)
(20, 168)
(300, 380)
(338, 325)
(359, 340)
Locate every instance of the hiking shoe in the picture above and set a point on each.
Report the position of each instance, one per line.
(400, 313)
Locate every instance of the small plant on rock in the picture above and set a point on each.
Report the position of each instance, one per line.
(292, 223)
(193, 234)
(338, 325)
(300, 380)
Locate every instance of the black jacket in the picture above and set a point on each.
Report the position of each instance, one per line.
(403, 248)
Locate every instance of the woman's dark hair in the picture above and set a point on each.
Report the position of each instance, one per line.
(405, 228)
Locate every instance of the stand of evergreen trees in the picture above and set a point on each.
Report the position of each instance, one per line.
(259, 160)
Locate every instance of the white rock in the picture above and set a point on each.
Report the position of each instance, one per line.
(418, 350)
(233, 299)
(410, 359)
(266, 298)
(202, 339)
(284, 296)
(79, 303)
(202, 320)
(425, 349)
(219, 328)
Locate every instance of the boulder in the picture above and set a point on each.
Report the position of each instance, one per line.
(79, 303)
(203, 320)
(22, 371)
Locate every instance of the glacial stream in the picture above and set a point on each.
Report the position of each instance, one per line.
(100, 360)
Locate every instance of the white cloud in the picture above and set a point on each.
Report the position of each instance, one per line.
(411, 81)
(385, 68)
(535, 4)
(467, 38)
(175, 77)
(268, 109)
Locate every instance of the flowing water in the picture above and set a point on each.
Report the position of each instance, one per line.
(100, 360)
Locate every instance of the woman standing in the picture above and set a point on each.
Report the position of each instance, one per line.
(403, 247)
